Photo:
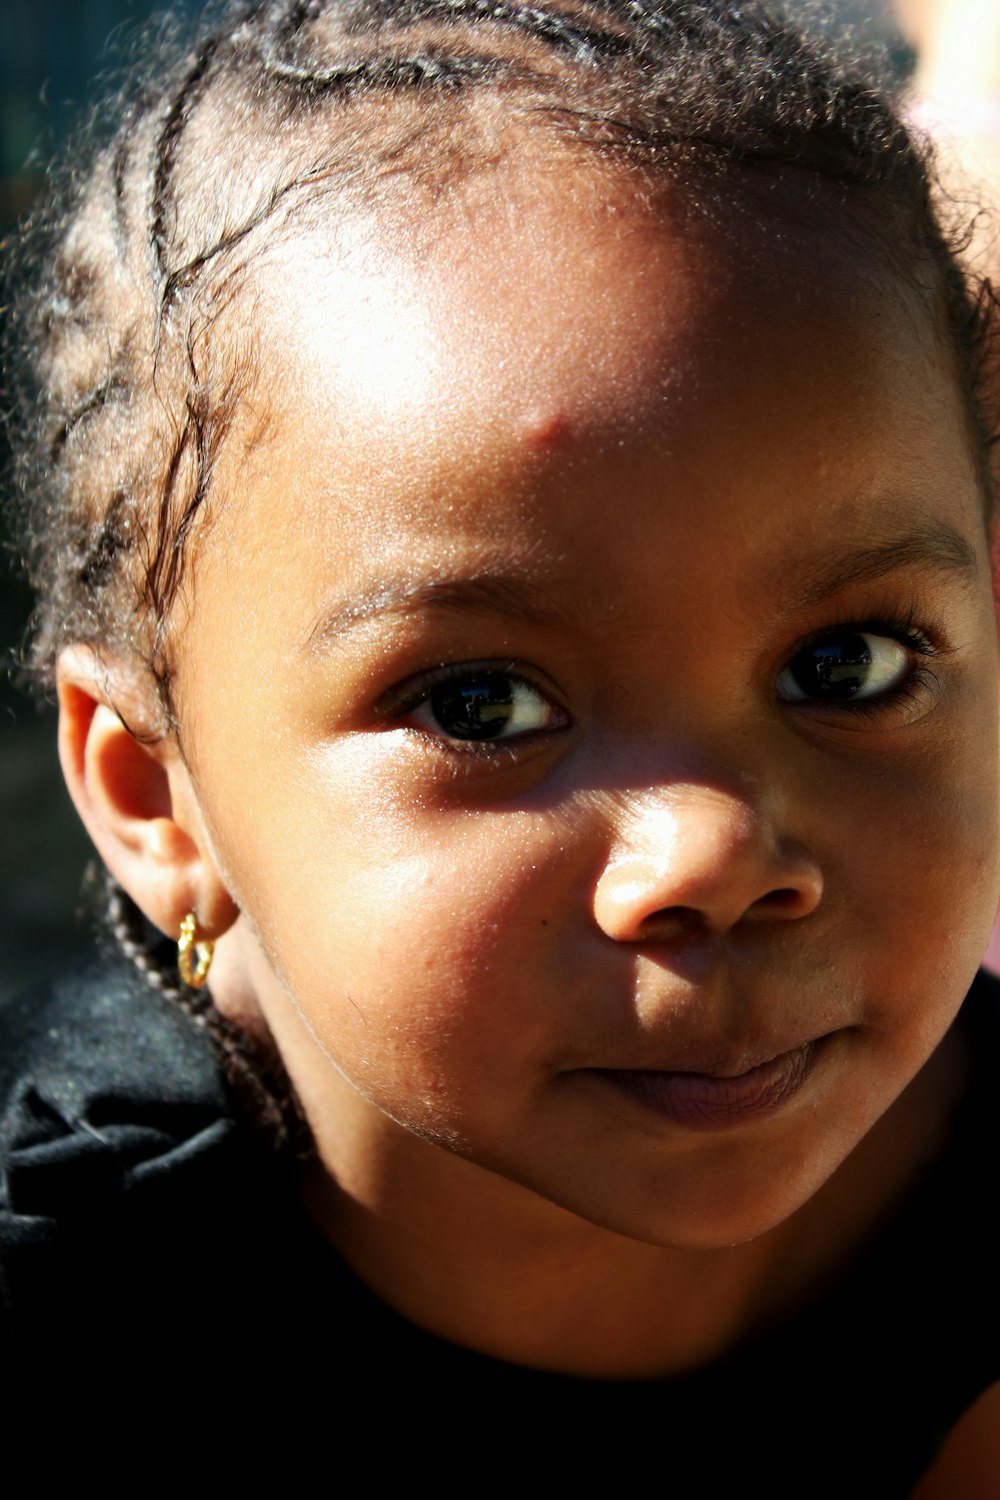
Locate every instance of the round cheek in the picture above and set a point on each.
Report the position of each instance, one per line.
(918, 870)
(416, 948)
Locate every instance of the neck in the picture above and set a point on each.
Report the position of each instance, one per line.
(488, 1264)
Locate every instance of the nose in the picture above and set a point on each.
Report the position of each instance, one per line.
(704, 860)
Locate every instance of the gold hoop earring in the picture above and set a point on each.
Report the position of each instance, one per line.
(194, 959)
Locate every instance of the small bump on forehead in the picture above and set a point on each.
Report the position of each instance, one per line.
(543, 428)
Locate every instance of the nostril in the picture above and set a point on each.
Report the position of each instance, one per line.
(689, 921)
(786, 899)
(672, 921)
(714, 875)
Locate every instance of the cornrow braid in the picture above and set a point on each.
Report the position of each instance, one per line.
(256, 1076)
(568, 34)
(173, 126)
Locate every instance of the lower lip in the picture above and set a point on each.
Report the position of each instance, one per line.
(704, 1101)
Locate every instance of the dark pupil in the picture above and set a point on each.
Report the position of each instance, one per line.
(833, 668)
(475, 708)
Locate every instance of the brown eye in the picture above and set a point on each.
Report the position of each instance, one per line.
(484, 705)
(850, 664)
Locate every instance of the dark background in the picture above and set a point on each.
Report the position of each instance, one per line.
(51, 53)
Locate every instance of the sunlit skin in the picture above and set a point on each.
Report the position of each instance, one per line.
(639, 470)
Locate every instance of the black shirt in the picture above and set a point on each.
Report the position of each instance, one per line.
(156, 1263)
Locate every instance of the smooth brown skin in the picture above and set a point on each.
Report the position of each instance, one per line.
(968, 1468)
(681, 461)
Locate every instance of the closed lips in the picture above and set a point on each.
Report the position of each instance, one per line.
(714, 1100)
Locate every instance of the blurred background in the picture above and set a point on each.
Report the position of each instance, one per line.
(51, 53)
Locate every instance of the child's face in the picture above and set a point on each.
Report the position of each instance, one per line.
(518, 695)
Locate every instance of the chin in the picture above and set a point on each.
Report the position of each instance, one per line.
(696, 1215)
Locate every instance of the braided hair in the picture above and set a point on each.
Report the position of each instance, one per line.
(276, 109)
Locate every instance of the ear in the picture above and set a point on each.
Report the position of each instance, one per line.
(135, 796)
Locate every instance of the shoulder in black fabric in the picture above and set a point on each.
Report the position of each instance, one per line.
(105, 1087)
(131, 1196)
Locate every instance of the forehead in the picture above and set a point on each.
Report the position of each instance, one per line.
(442, 382)
(548, 277)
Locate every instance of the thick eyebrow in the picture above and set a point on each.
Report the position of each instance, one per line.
(936, 548)
(488, 594)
